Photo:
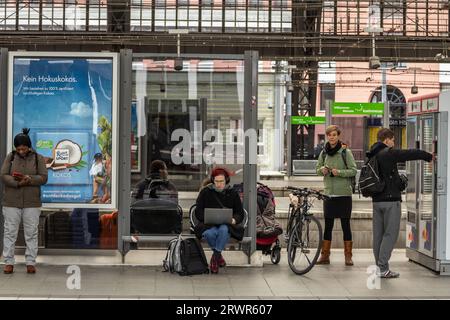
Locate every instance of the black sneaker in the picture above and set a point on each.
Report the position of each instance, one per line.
(389, 274)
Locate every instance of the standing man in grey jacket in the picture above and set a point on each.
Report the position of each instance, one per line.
(387, 204)
(23, 173)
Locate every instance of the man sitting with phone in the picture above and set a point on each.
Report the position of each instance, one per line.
(219, 212)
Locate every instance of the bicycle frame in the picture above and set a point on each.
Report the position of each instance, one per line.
(297, 213)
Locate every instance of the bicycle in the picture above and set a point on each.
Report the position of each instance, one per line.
(304, 231)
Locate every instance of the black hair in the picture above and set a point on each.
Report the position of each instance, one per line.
(157, 165)
(22, 139)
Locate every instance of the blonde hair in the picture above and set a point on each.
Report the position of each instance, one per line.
(333, 128)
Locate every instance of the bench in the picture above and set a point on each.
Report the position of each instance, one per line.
(244, 244)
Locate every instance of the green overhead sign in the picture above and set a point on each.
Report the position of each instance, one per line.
(307, 120)
(357, 108)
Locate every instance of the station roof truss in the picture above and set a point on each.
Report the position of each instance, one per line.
(293, 30)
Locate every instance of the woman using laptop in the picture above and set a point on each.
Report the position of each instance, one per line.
(219, 195)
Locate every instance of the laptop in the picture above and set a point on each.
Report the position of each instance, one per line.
(218, 216)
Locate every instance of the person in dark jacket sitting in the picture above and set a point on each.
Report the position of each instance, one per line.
(386, 204)
(219, 195)
(158, 183)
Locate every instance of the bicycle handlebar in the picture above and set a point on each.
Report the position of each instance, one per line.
(307, 192)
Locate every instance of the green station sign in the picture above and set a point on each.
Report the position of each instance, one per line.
(357, 108)
(307, 120)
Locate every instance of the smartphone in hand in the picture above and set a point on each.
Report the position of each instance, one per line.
(17, 175)
(330, 171)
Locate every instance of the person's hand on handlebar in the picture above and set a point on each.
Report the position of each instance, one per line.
(293, 199)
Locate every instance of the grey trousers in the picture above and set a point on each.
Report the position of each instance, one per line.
(386, 227)
(30, 217)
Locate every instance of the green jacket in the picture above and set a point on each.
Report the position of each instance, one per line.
(340, 185)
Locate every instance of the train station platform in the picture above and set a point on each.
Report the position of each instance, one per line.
(335, 281)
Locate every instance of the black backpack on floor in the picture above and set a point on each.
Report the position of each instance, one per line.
(186, 257)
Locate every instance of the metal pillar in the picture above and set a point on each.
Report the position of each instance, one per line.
(119, 15)
(304, 104)
(124, 119)
(305, 23)
(250, 123)
(289, 132)
(204, 119)
(328, 116)
(3, 119)
(384, 96)
(278, 137)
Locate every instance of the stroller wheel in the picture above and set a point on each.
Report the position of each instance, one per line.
(275, 255)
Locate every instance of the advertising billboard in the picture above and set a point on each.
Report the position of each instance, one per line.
(69, 102)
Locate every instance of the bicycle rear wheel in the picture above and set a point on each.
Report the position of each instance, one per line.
(305, 242)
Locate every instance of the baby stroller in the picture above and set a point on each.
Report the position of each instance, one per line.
(267, 228)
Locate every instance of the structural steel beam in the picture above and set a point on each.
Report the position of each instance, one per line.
(269, 46)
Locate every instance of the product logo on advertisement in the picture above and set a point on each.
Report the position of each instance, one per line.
(62, 156)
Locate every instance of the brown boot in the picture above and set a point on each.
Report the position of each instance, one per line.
(348, 253)
(325, 253)
(8, 269)
(31, 269)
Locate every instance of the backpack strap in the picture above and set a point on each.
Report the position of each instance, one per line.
(344, 157)
(13, 155)
(352, 179)
(218, 200)
(36, 162)
(323, 156)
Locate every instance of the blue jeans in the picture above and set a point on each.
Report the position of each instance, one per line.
(217, 237)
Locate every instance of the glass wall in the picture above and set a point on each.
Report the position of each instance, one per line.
(189, 118)
(176, 109)
(267, 105)
(272, 81)
(68, 15)
(212, 15)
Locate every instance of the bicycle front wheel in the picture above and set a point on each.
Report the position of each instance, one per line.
(305, 242)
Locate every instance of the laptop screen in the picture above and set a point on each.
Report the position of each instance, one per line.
(217, 216)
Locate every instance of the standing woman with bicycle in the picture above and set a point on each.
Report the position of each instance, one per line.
(337, 165)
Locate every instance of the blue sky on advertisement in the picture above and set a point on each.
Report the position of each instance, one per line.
(57, 95)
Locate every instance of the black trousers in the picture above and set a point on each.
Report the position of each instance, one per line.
(345, 224)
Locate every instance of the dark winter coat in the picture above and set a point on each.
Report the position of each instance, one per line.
(229, 199)
(387, 161)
